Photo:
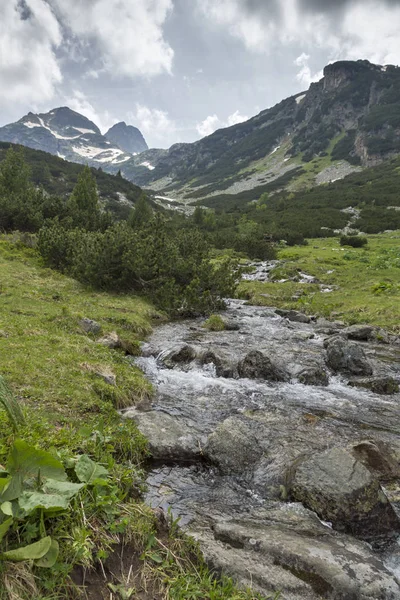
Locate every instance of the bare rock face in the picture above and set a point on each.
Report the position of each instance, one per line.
(286, 548)
(340, 489)
(347, 357)
(256, 365)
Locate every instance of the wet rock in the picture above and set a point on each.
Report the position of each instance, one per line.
(342, 490)
(231, 326)
(256, 365)
(361, 333)
(286, 548)
(223, 367)
(111, 340)
(234, 446)
(346, 356)
(377, 459)
(314, 376)
(169, 438)
(379, 385)
(90, 326)
(294, 315)
(182, 353)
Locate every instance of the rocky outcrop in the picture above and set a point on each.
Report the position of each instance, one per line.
(111, 340)
(256, 365)
(346, 357)
(294, 315)
(378, 385)
(342, 490)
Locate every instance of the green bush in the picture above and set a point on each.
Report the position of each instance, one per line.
(356, 241)
(214, 323)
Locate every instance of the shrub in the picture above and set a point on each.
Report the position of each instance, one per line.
(214, 323)
(356, 241)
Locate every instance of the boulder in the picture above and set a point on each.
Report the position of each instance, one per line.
(256, 365)
(361, 333)
(111, 340)
(90, 326)
(234, 446)
(182, 353)
(340, 489)
(223, 367)
(169, 438)
(314, 376)
(285, 547)
(377, 458)
(379, 385)
(347, 357)
(294, 315)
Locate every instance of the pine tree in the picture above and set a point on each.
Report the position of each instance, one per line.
(142, 213)
(15, 174)
(84, 202)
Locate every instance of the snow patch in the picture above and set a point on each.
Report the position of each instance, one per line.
(31, 125)
(88, 151)
(149, 166)
(275, 150)
(82, 130)
(300, 98)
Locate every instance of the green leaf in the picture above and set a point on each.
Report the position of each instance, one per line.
(27, 461)
(87, 470)
(55, 495)
(7, 509)
(48, 560)
(156, 558)
(4, 527)
(31, 552)
(13, 489)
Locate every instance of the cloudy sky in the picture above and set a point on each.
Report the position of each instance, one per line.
(179, 69)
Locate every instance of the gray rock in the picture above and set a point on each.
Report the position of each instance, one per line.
(378, 459)
(379, 385)
(169, 438)
(106, 375)
(294, 315)
(285, 547)
(223, 367)
(256, 365)
(314, 376)
(111, 340)
(362, 333)
(182, 353)
(232, 326)
(347, 356)
(90, 326)
(234, 446)
(342, 490)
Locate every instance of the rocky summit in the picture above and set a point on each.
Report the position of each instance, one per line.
(286, 475)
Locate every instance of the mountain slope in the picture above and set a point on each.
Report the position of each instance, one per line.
(126, 137)
(67, 134)
(58, 177)
(348, 120)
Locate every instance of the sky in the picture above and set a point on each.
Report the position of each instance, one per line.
(180, 69)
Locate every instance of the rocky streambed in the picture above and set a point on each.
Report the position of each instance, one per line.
(277, 443)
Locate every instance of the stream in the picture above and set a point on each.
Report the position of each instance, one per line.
(280, 469)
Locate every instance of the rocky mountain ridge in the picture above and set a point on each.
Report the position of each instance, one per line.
(69, 135)
(348, 120)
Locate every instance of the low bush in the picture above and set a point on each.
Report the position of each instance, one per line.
(355, 241)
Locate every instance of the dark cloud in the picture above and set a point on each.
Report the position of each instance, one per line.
(336, 5)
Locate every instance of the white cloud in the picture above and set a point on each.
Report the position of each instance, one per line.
(81, 104)
(29, 71)
(128, 36)
(363, 29)
(213, 122)
(305, 76)
(153, 122)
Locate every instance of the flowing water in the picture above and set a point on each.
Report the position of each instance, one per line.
(232, 494)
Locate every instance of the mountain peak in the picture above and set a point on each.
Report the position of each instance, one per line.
(127, 137)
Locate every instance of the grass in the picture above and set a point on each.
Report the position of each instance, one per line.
(365, 281)
(53, 368)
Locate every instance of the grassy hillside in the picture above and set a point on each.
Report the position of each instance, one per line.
(58, 177)
(58, 372)
(364, 282)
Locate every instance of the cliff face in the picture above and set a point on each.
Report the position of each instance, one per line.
(127, 137)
